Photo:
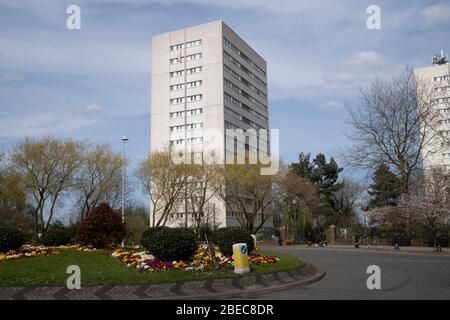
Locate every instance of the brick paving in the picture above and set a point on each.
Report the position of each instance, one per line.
(248, 285)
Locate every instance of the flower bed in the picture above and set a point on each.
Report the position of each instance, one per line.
(201, 260)
(28, 251)
(38, 250)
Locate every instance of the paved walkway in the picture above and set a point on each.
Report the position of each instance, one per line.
(244, 286)
(420, 250)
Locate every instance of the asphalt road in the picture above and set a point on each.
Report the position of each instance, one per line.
(403, 275)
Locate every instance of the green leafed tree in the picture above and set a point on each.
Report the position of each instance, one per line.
(320, 172)
(324, 175)
(47, 168)
(248, 195)
(386, 188)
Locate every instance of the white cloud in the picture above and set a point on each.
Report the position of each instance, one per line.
(91, 109)
(86, 56)
(332, 104)
(47, 10)
(436, 13)
(364, 58)
(36, 110)
(44, 124)
(355, 70)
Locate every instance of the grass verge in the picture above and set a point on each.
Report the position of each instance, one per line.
(98, 268)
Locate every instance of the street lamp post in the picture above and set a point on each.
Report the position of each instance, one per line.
(124, 140)
(295, 219)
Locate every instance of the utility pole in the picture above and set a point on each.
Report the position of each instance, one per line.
(124, 140)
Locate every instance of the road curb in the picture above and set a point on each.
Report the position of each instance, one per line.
(251, 293)
(212, 289)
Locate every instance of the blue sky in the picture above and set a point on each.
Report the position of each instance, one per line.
(94, 83)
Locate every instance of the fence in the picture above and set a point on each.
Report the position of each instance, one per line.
(413, 242)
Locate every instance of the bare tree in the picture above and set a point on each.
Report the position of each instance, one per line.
(99, 178)
(296, 197)
(165, 182)
(248, 195)
(393, 123)
(205, 182)
(346, 200)
(48, 168)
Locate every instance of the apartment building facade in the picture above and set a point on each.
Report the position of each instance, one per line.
(205, 79)
(436, 153)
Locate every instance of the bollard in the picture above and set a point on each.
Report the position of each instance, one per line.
(255, 245)
(240, 258)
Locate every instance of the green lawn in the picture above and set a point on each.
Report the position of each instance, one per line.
(98, 268)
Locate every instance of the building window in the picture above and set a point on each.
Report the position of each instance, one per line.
(195, 112)
(235, 88)
(195, 140)
(441, 78)
(443, 100)
(180, 73)
(228, 57)
(188, 58)
(233, 100)
(178, 142)
(233, 113)
(194, 70)
(176, 128)
(229, 125)
(177, 87)
(232, 86)
(177, 114)
(243, 56)
(193, 57)
(189, 44)
(442, 89)
(196, 97)
(238, 103)
(194, 84)
(181, 86)
(194, 126)
(177, 100)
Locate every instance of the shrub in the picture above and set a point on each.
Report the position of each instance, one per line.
(10, 239)
(226, 237)
(170, 244)
(72, 229)
(136, 224)
(56, 236)
(200, 232)
(101, 228)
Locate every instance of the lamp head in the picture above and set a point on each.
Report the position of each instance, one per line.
(124, 138)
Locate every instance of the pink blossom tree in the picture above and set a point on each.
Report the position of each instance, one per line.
(431, 206)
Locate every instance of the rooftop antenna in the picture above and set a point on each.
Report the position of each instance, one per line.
(438, 60)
